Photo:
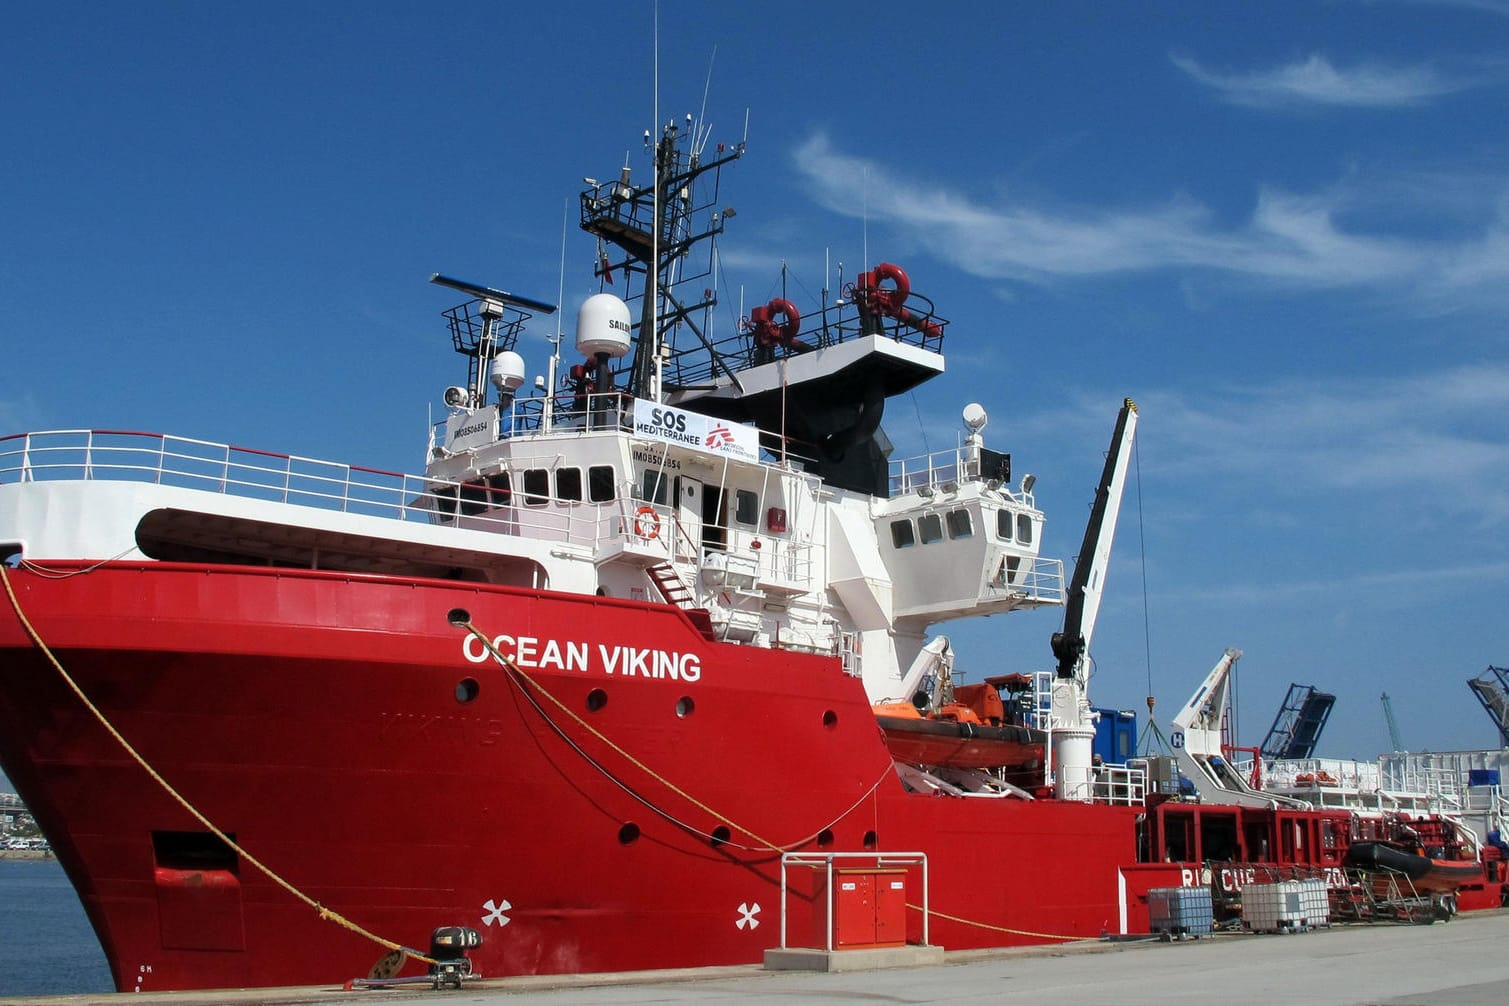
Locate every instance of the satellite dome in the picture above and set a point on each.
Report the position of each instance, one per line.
(507, 373)
(602, 326)
(975, 417)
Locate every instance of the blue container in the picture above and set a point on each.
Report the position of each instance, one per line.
(1180, 911)
(1115, 736)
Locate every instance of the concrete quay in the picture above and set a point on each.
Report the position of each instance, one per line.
(1461, 963)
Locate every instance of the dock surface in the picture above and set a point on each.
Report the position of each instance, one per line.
(1461, 963)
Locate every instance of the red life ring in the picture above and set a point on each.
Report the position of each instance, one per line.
(647, 523)
(766, 332)
(793, 322)
(892, 299)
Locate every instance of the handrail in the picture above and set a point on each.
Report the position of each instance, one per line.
(249, 473)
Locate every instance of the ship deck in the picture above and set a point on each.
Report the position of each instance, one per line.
(1461, 962)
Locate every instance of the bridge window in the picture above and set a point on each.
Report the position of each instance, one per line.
(536, 486)
(959, 524)
(568, 484)
(1024, 529)
(653, 486)
(601, 484)
(902, 535)
(746, 507)
(473, 498)
(930, 527)
(1004, 521)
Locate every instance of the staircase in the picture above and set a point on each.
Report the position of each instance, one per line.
(671, 586)
(676, 593)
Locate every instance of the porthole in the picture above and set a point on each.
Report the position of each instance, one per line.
(466, 690)
(596, 699)
(720, 835)
(871, 840)
(628, 834)
(824, 838)
(685, 706)
(830, 719)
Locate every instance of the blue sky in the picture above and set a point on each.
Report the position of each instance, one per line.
(1282, 228)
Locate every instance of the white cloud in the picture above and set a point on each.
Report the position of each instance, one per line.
(1291, 239)
(1314, 81)
(1436, 442)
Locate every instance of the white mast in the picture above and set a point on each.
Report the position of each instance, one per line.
(656, 369)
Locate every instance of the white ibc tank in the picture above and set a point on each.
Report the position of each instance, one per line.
(602, 326)
(507, 372)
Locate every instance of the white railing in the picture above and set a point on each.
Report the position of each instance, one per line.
(931, 471)
(605, 412)
(1315, 773)
(1125, 785)
(1035, 578)
(115, 455)
(1042, 698)
(245, 473)
(850, 655)
(943, 470)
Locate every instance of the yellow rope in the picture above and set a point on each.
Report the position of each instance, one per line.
(514, 669)
(998, 929)
(327, 914)
(509, 664)
(331, 915)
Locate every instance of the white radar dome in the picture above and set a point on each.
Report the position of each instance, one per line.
(975, 417)
(602, 326)
(507, 373)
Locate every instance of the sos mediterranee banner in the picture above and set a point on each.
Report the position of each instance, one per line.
(692, 429)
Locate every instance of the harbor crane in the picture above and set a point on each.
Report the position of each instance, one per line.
(1492, 689)
(1393, 727)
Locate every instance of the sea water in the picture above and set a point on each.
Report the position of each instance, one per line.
(46, 944)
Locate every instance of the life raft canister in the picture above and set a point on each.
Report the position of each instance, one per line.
(767, 333)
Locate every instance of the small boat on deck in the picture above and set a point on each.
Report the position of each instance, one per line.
(1426, 873)
(983, 726)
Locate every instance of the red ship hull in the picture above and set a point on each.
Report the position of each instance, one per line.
(316, 718)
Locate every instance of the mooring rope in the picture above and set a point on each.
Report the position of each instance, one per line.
(331, 915)
(998, 929)
(520, 675)
(607, 773)
(326, 914)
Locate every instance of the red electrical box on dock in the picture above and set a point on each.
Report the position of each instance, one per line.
(869, 907)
